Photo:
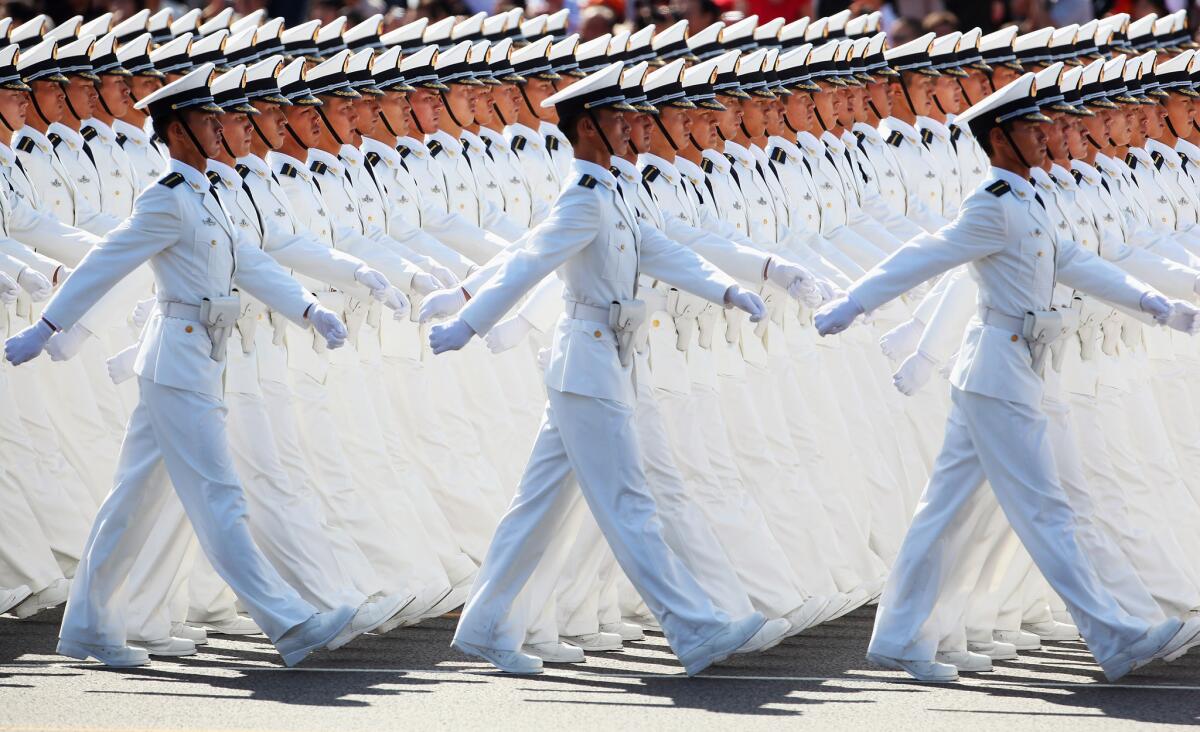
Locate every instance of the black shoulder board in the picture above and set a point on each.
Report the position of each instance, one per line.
(649, 173)
(242, 170)
(1158, 159)
(1131, 161)
(25, 145)
(213, 177)
(706, 165)
(1078, 176)
(289, 170)
(551, 143)
(435, 147)
(89, 133)
(172, 180)
(318, 167)
(373, 159)
(122, 138)
(779, 155)
(55, 138)
(518, 142)
(926, 136)
(955, 133)
(895, 138)
(587, 181)
(999, 188)
(730, 159)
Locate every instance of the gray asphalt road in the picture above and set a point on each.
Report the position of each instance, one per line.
(411, 679)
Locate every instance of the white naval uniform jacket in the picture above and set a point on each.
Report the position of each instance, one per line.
(79, 160)
(462, 188)
(519, 201)
(598, 246)
(147, 158)
(1154, 192)
(919, 192)
(1008, 242)
(195, 252)
(118, 181)
(936, 138)
(538, 166)
(55, 185)
(41, 240)
(882, 195)
(560, 150)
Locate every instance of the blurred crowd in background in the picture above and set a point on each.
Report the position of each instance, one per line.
(902, 19)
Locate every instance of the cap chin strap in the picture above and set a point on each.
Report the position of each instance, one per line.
(1092, 141)
(938, 103)
(259, 132)
(874, 109)
(600, 131)
(450, 111)
(820, 119)
(499, 115)
(387, 125)
(663, 129)
(416, 122)
(38, 108)
(527, 102)
(67, 99)
(195, 143)
(908, 97)
(963, 89)
(291, 132)
(1171, 127)
(787, 122)
(695, 144)
(1016, 148)
(336, 137)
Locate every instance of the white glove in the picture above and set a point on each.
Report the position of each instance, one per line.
(9, 289)
(442, 304)
(451, 336)
(914, 373)
(424, 284)
(66, 345)
(443, 274)
(373, 280)
(508, 334)
(1156, 306)
(395, 300)
(1183, 317)
(899, 342)
(826, 290)
(328, 325)
(747, 301)
(837, 316)
(120, 366)
(798, 282)
(141, 312)
(28, 343)
(36, 284)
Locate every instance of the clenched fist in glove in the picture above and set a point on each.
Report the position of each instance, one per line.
(506, 335)
(442, 304)
(798, 282)
(914, 373)
(328, 325)
(425, 284)
(141, 312)
(120, 366)
(9, 289)
(450, 337)
(1183, 317)
(395, 301)
(443, 275)
(837, 316)
(738, 298)
(38, 287)
(67, 344)
(28, 343)
(899, 342)
(373, 280)
(1156, 306)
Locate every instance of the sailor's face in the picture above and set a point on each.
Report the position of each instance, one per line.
(342, 114)
(270, 121)
(920, 90)
(1077, 145)
(81, 93)
(1096, 127)
(1001, 75)
(394, 108)
(616, 128)
(426, 107)
(1152, 125)
(1180, 111)
(306, 123)
(207, 129)
(752, 117)
(1056, 141)
(538, 90)
(236, 130)
(508, 101)
(975, 86)
(949, 94)
(1030, 138)
(460, 100)
(14, 105)
(115, 93)
(142, 86)
(641, 127)
(800, 111)
(731, 119)
(678, 123)
(367, 108)
(879, 96)
(1118, 125)
(51, 99)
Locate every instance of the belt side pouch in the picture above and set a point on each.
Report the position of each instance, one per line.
(356, 315)
(374, 312)
(626, 318)
(218, 316)
(247, 323)
(706, 324)
(1110, 329)
(278, 328)
(733, 324)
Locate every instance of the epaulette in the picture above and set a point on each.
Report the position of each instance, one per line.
(25, 145)
(955, 133)
(435, 147)
(615, 171)
(926, 137)
(1131, 161)
(318, 167)
(172, 180)
(55, 138)
(779, 155)
(242, 170)
(1158, 159)
(518, 142)
(404, 151)
(730, 159)
(122, 138)
(213, 177)
(895, 138)
(999, 188)
(1077, 175)
(588, 181)
(289, 170)
(373, 158)
(89, 133)
(551, 143)
(649, 173)
(706, 165)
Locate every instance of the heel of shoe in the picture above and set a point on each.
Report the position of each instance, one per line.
(72, 650)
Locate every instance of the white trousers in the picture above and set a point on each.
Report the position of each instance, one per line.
(1007, 444)
(175, 438)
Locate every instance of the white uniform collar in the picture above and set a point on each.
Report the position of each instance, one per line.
(416, 146)
(937, 128)
(739, 153)
(472, 141)
(493, 139)
(833, 142)
(602, 175)
(136, 134)
(809, 143)
(1022, 188)
(1188, 150)
(549, 129)
(102, 130)
(228, 175)
(1087, 172)
(278, 159)
(1041, 179)
(352, 156)
(449, 144)
(194, 178)
(38, 137)
(1142, 155)
(390, 154)
(627, 170)
(668, 170)
(257, 165)
(1062, 176)
(532, 137)
(789, 148)
(867, 131)
(333, 162)
(1172, 157)
(69, 136)
(689, 170)
(718, 161)
(7, 156)
(899, 125)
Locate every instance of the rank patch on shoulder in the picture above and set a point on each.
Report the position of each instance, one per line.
(89, 133)
(289, 170)
(373, 158)
(706, 165)
(242, 170)
(318, 167)
(213, 177)
(588, 181)
(1131, 160)
(25, 145)
(927, 137)
(999, 188)
(1158, 159)
(172, 180)
(779, 155)
(435, 148)
(649, 173)
(895, 138)
(551, 143)
(518, 142)
(55, 139)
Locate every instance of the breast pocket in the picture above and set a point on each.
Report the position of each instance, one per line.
(213, 247)
(620, 254)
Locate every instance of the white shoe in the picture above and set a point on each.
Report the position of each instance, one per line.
(194, 634)
(369, 616)
(627, 631)
(453, 600)
(555, 652)
(1187, 638)
(1052, 631)
(768, 636)
(1023, 640)
(237, 625)
(315, 633)
(722, 644)
(116, 656)
(1158, 642)
(11, 598)
(845, 603)
(811, 612)
(166, 647)
(965, 661)
(648, 622)
(594, 642)
(400, 617)
(510, 662)
(994, 650)
(52, 596)
(933, 671)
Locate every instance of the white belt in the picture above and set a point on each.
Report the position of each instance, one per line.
(997, 319)
(654, 298)
(181, 310)
(583, 311)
